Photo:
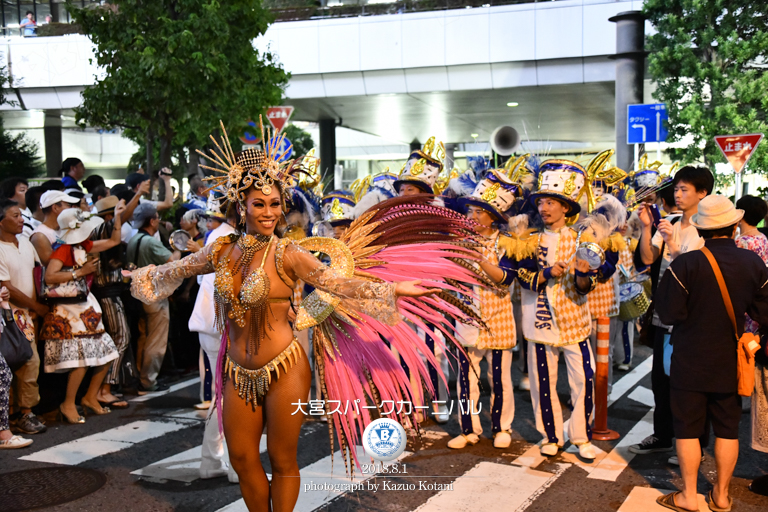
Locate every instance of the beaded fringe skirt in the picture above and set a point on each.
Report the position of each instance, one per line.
(252, 385)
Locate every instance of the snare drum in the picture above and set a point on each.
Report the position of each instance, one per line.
(179, 239)
(592, 253)
(634, 301)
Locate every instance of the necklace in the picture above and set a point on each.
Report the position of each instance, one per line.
(750, 232)
(249, 245)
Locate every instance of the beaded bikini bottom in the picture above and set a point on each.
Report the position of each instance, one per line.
(252, 385)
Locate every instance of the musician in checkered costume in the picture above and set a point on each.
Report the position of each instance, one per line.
(488, 205)
(419, 176)
(556, 315)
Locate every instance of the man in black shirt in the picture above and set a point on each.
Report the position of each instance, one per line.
(703, 372)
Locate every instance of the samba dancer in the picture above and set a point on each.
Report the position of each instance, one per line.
(255, 273)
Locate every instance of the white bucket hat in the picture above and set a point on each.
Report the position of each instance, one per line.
(715, 212)
(75, 225)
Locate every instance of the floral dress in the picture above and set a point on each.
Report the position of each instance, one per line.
(74, 334)
(759, 245)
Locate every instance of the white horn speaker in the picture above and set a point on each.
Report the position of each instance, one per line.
(505, 140)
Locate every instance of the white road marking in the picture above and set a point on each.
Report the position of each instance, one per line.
(488, 484)
(643, 395)
(182, 467)
(611, 466)
(624, 384)
(571, 455)
(179, 385)
(109, 441)
(643, 499)
(193, 414)
(319, 473)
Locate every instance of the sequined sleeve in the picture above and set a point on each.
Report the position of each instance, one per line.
(375, 299)
(151, 284)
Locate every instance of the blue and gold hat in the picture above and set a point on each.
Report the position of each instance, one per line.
(496, 194)
(213, 204)
(422, 167)
(562, 180)
(336, 207)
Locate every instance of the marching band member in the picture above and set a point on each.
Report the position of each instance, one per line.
(555, 312)
(491, 201)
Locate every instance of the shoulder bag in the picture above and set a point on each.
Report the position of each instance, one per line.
(748, 343)
(14, 346)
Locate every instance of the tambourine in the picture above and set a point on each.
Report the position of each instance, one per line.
(592, 253)
(179, 239)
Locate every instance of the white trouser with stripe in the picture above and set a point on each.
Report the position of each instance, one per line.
(622, 340)
(215, 454)
(542, 367)
(499, 378)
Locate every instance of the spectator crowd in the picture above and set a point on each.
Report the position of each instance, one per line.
(63, 246)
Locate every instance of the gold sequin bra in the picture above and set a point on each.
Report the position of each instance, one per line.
(253, 290)
(252, 385)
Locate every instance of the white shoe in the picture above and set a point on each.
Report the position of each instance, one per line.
(525, 384)
(502, 439)
(203, 406)
(623, 367)
(587, 451)
(442, 417)
(15, 442)
(549, 449)
(206, 474)
(232, 476)
(459, 442)
(676, 462)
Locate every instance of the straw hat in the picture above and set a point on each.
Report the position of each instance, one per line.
(76, 225)
(715, 212)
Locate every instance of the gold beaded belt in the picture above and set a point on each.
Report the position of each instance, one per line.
(252, 385)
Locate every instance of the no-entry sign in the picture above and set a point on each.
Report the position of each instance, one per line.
(737, 149)
(278, 117)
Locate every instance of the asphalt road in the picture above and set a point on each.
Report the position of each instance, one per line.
(476, 478)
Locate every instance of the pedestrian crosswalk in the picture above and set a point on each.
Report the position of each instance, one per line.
(516, 477)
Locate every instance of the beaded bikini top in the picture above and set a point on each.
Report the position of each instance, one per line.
(252, 296)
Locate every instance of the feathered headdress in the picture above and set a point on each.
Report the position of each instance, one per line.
(252, 167)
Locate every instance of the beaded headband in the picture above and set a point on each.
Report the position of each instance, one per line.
(252, 167)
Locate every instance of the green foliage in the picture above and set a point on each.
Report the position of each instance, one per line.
(18, 155)
(174, 68)
(708, 60)
(301, 140)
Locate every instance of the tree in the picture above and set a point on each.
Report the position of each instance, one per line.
(301, 140)
(708, 60)
(174, 68)
(18, 155)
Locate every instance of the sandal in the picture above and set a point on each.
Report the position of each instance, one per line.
(714, 508)
(117, 404)
(668, 501)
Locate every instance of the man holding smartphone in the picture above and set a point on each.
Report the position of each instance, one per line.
(691, 185)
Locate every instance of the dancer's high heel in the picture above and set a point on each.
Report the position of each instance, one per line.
(63, 417)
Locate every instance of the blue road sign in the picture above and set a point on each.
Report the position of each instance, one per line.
(285, 146)
(645, 123)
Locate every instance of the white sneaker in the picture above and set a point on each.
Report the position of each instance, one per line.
(502, 439)
(676, 462)
(461, 441)
(203, 406)
(442, 417)
(15, 442)
(587, 451)
(206, 474)
(525, 384)
(232, 476)
(623, 367)
(549, 449)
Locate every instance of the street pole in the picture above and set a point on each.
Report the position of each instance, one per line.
(737, 195)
